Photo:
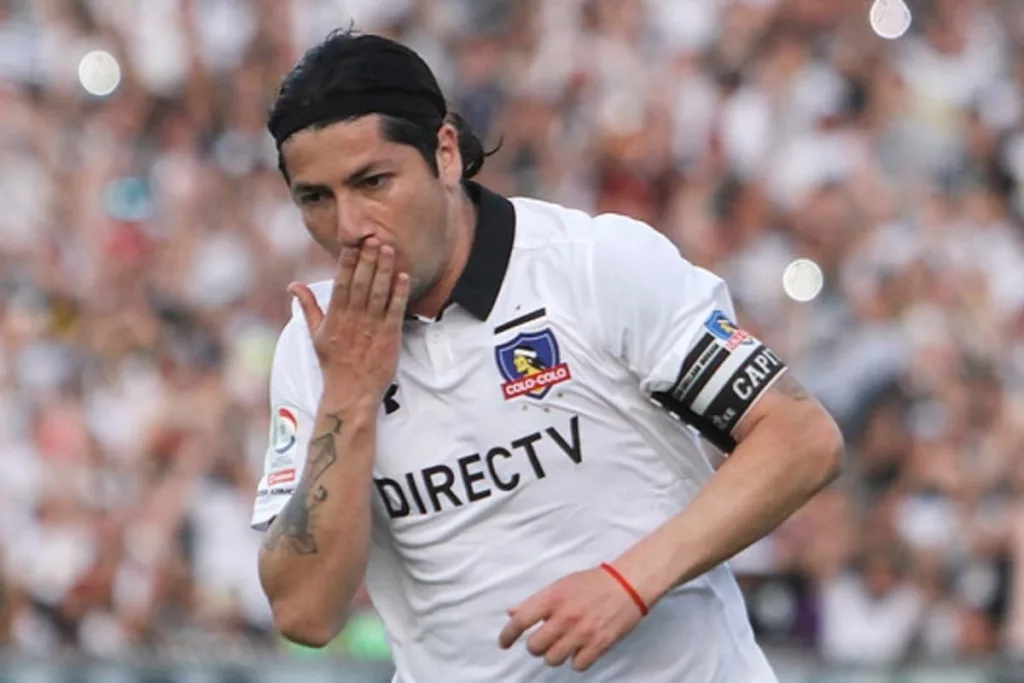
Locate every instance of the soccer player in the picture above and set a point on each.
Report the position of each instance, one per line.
(537, 435)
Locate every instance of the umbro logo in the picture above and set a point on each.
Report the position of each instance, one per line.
(390, 404)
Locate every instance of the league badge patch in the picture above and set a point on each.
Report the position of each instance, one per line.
(531, 365)
(727, 331)
(286, 427)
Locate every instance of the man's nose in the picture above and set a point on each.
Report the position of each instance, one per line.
(353, 225)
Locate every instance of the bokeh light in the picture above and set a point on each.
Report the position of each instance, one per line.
(99, 73)
(890, 18)
(803, 280)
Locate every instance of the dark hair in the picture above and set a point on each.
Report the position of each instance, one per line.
(340, 68)
(406, 132)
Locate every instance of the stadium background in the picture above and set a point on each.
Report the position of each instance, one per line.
(146, 240)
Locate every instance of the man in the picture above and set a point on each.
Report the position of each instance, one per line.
(499, 411)
(527, 361)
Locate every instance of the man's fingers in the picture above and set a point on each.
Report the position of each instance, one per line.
(543, 638)
(565, 647)
(343, 280)
(362, 276)
(399, 298)
(307, 302)
(588, 654)
(380, 288)
(515, 628)
(526, 615)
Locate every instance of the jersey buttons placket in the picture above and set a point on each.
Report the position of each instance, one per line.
(438, 348)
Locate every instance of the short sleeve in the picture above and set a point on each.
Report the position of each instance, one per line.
(673, 324)
(293, 411)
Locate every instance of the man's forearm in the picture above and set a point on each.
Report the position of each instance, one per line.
(314, 555)
(774, 471)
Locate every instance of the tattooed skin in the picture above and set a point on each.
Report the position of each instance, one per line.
(791, 388)
(293, 525)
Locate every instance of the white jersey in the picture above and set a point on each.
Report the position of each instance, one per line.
(533, 430)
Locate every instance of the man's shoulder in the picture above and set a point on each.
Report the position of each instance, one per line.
(540, 221)
(296, 330)
(321, 291)
(537, 216)
(532, 209)
(596, 251)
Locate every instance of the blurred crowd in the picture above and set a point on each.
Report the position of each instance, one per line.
(147, 238)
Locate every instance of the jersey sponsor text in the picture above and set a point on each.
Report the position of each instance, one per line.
(497, 470)
(281, 477)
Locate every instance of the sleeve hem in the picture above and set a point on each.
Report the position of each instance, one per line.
(265, 514)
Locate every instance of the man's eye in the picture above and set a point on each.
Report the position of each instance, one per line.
(375, 182)
(313, 198)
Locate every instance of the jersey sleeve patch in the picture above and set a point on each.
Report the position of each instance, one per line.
(282, 464)
(284, 440)
(284, 429)
(720, 380)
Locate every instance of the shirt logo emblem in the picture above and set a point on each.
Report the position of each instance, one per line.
(391, 405)
(531, 365)
(285, 428)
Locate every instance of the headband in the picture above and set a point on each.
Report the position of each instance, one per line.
(415, 104)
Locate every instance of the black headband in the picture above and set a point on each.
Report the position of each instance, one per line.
(415, 104)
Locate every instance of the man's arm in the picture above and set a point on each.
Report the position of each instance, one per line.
(671, 324)
(314, 555)
(787, 449)
(679, 334)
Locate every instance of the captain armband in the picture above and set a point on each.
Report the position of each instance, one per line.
(722, 377)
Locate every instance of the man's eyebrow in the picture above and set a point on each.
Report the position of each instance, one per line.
(362, 173)
(303, 188)
(354, 178)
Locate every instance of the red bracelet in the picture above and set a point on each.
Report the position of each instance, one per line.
(627, 586)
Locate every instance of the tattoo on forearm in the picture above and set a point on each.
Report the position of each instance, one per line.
(791, 388)
(294, 523)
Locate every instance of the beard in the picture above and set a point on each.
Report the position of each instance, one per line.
(433, 260)
(418, 288)
(420, 285)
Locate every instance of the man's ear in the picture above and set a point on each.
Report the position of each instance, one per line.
(449, 158)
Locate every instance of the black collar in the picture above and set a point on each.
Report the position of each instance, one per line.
(478, 287)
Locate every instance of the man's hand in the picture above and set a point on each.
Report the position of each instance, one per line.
(357, 341)
(584, 614)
